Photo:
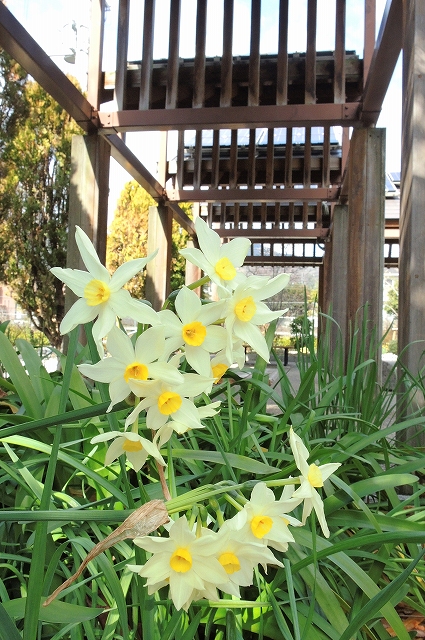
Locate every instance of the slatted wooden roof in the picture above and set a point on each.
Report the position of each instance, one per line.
(278, 190)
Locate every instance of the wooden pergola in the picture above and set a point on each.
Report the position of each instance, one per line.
(256, 144)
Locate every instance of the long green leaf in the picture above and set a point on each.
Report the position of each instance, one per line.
(19, 377)
(8, 629)
(236, 461)
(56, 612)
(376, 604)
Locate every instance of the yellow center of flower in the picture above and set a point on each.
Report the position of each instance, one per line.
(169, 402)
(181, 560)
(225, 269)
(96, 292)
(245, 309)
(218, 371)
(132, 445)
(229, 562)
(261, 525)
(137, 371)
(315, 476)
(194, 333)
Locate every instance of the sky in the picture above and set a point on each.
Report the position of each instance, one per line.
(51, 24)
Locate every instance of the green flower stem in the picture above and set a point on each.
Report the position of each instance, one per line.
(35, 581)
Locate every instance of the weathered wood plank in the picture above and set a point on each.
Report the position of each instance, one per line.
(310, 57)
(227, 57)
(199, 64)
(282, 55)
(173, 56)
(147, 55)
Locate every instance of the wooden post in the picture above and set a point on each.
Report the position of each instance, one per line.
(412, 228)
(366, 202)
(158, 270)
(193, 273)
(88, 198)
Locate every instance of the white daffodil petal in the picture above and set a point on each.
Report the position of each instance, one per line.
(150, 344)
(209, 241)
(165, 372)
(114, 451)
(118, 391)
(79, 313)
(128, 270)
(211, 312)
(170, 322)
(154, 418)
(119, 345)
(137, 458)
(104, 323)
(194, 385)
(252, 335)
(196, 257)
(187, 305)
(207, 411)
(104, 371)
(74, 279)
(104, 437)
(274, 286)
(236, 250)
(90, 257)
(126, 306)
(328, 469)
(215, 339)
(199, 359)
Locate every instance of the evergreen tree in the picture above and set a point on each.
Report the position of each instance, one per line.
(35, 160)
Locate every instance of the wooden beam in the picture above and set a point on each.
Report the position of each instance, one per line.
(412, 229)
(27, 52)
(126, 158)
(273, 235)
(88, 198)
(301, 115)
(147, 55)
(384, 60)
(252, 195)
(366, 201)
(158, 271)
(120, 90)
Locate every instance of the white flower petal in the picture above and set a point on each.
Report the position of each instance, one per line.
(196, 257)
(106, 370)
(199, 359)
(150, 345)
(125, 306)
(127, 270)
(104, 323)
(79, 313)
(187, 305)
(252, 335)
(209, 241)
(236, 250)
(119, 346)
(74, 279)
(90, 257)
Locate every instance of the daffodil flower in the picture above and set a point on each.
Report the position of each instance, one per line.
(186, 562)
(312, 478)
(264, 519)
(193, 329)
(245, 311)
(101, 295)
(165, 432)
(136, 448)
(169, 403)
(238, 557)
(218, 261)
(126, 361)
